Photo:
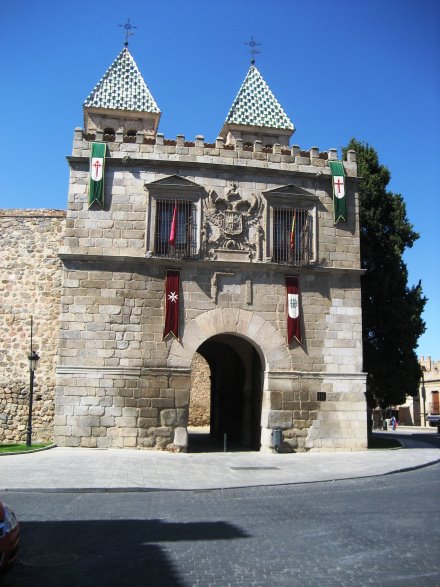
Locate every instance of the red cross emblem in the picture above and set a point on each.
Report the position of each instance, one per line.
(97, 165)
(339, 187)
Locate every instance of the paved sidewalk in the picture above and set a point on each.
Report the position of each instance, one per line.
(76, 469)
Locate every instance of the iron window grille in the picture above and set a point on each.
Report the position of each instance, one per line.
(185, 229)
(296, 249)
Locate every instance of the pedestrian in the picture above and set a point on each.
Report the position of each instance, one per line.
(393, 422)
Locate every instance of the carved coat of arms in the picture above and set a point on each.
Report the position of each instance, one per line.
(228, 220)
(232, 222)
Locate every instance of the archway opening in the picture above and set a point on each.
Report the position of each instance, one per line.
(235, 395)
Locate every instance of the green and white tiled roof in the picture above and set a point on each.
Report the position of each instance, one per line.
(255, 105)
(122, 88)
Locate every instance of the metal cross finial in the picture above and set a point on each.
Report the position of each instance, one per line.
(127, 26)
(252, 44)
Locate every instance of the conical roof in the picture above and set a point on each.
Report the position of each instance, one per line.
(255, 105)
(122, 88)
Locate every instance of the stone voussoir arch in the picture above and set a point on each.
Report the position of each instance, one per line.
(249, 325)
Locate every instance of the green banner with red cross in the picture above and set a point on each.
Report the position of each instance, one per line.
(339, 197)
(97, 165)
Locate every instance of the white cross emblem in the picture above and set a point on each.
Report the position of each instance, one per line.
(173, 297)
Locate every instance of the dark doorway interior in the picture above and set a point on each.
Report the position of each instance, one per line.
(236, 392)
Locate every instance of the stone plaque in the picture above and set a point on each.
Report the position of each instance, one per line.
(229, 285)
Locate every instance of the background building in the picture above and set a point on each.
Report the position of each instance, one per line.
(416, 409)
(429, 397)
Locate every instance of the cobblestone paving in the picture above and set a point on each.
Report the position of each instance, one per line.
(376, 531)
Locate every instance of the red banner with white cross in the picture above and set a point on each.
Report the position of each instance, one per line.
(293, 309)
(172, 298)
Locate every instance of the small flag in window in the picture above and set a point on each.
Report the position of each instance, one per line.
(173, 229)
(292, 232)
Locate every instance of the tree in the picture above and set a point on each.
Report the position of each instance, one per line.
(391, 310)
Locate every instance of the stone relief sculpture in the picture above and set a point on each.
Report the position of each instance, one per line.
(228, 220)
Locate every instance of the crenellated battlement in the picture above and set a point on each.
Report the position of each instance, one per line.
(143, 146)
(429, 366)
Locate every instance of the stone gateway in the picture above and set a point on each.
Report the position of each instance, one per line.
(234, 218)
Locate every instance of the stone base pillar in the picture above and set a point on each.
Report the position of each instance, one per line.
(122, 408)
(316, 411)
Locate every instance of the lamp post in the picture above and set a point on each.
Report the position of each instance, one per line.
(33, 363)
(423, 368)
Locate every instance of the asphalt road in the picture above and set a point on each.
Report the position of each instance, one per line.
(413, 439)
(376, 531)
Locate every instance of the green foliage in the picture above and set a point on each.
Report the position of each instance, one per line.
(391, 310)
(21, 447)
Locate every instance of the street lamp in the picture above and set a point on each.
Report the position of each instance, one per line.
(423, 369)
(33, 363)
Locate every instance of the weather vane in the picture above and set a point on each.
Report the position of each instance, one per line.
(127, 26)
(252, 44)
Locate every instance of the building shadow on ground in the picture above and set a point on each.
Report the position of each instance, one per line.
(106, 553)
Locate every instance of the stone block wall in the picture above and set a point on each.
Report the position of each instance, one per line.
(120, 229)
(200, 393)
(30, 275)
(120, 384)
(318, 413)
(114, 389)
(121, 408)
(113, 299)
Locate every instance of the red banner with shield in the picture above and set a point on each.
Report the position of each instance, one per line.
(172, 295)
(293, 309)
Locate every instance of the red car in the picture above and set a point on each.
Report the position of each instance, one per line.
(9, 536)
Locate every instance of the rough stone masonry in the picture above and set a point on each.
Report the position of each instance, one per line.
(30, 274)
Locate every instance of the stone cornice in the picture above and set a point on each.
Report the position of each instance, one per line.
(247, 265)
(316, 375)
(84, 370)
(206, 162)
(120, 371)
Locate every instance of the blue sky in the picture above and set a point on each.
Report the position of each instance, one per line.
(368, 69)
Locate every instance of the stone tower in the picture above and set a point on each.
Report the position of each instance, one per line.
(121, 101)
(256, 115)
(193, 251)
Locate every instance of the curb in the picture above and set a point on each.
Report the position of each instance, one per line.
(27, 452)
(209, 489)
